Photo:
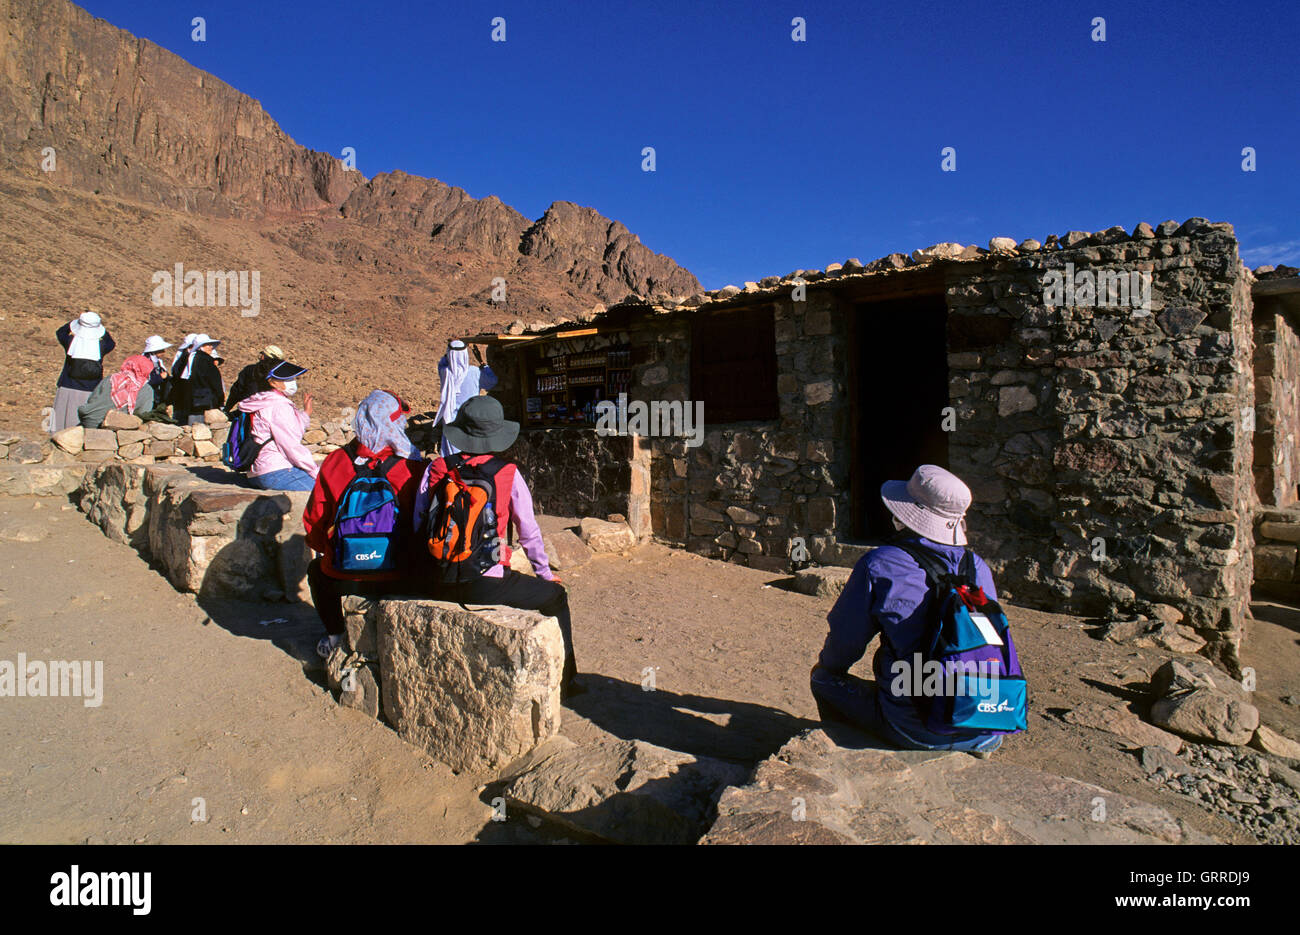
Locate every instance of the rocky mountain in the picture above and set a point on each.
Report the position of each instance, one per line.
(129, 119)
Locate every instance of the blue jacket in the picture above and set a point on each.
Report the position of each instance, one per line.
(887, 593)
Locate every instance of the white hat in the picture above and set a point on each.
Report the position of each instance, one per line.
(89, 319)
(155, 344)
(201, 340)
(932, 503)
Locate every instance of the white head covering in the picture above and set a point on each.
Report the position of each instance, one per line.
(451, 373)
(154, 344)
(180, 351)
(200, 340)
(86, 332)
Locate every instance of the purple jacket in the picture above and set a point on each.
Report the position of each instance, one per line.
(887, 594)
(276, 418)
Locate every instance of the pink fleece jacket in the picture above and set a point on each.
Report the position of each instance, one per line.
(276, 418)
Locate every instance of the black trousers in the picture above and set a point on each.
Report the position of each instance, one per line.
(327, 594)
(511, 590)
(525, 592)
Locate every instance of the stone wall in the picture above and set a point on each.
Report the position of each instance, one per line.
(1277, 404)
(574, 471)
(752, 486)
(125, 437)
(1277, 553)
(212, 539)
(1110, 452)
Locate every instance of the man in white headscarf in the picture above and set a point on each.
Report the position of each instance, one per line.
(85, 343)
(458, 381)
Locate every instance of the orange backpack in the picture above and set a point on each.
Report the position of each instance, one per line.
(464, 519)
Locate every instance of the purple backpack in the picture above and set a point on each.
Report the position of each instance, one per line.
(969, 649)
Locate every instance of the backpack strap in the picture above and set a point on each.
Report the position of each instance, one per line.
(966, 570)
(936, 572)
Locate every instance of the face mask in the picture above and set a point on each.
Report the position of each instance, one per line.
(290, 387)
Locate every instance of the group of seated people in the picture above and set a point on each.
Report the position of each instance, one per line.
(146, 385)
(411, 557)
(891, 592)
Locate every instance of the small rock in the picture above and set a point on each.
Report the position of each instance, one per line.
(117, 419)
(1272, 742)
(602, 536)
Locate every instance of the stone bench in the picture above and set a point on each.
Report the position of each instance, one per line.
(476, 689)
(214, 539)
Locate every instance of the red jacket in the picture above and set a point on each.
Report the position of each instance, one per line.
(336, 471)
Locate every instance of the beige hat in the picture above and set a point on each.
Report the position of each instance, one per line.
(932, 503)
(272, 351)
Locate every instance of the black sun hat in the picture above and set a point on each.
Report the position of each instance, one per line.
(481, 427)
(285, 371)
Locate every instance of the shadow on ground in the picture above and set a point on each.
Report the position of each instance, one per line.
(695, 724)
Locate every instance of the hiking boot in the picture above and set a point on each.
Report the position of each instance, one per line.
(328, 644)
(987, 748)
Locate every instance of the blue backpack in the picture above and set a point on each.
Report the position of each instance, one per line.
(239, 451)
(983, 688)
(368, 528)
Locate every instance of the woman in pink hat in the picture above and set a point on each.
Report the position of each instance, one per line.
(889, 594)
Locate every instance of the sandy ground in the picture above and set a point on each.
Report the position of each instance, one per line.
(204, 700)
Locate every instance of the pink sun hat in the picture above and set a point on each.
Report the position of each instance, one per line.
(933, 503)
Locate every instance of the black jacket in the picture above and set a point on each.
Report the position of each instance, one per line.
(252, 379)
(203, 390)
(78, 374)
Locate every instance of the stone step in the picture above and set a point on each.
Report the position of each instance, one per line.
(815, 791)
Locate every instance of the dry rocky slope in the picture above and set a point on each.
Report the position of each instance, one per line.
(158, 162)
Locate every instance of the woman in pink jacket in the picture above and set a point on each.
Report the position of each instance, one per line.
(283, 463)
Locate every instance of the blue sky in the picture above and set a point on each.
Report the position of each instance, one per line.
(773, 154)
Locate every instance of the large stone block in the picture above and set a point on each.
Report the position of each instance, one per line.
(564, 550)
(165, 432)
(70, 439)
(602, 536)
(822, 582)
(117, 419)
(132, 437)
(99, 440)
(624, 791)
(476, 689)
(1205, 714)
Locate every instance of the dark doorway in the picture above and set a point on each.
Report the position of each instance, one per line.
(900, 385)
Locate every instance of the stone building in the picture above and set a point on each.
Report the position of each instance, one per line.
(1123, 406)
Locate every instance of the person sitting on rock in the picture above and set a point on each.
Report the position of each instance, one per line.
(283, 463)
(86, 342)
(479, 430)
(252, 379)
(458, 381)
(380, 447)
(888, 594)
(128, 390)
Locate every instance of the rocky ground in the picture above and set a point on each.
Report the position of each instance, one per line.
(212, 700)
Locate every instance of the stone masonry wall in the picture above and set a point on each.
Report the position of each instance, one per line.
(1108, 452)
(751, 487)
(1277, 405)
